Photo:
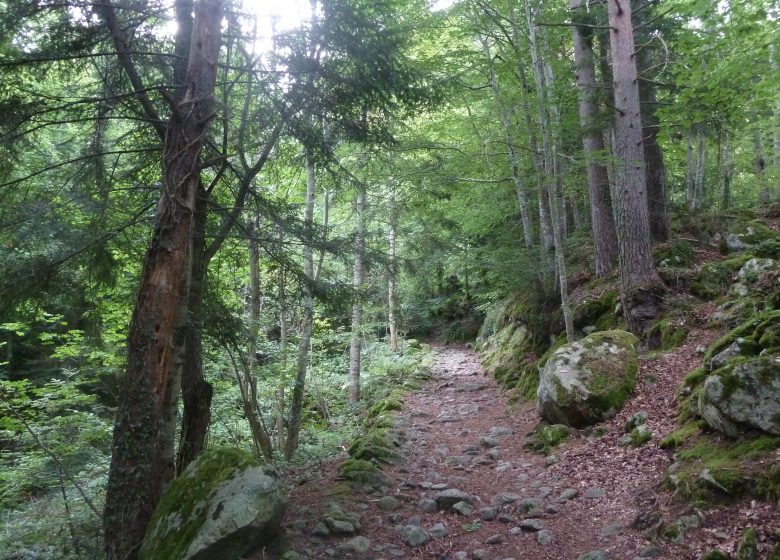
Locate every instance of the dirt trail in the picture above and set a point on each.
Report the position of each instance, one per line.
(461, 434)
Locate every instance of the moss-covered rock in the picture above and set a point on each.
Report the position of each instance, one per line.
(546, 437)
(751, 331)
(362, 473)
(715, 554)
(677, 253)
(712, 280)
(744, 393)
(224, 505)
(748, 234)
(667, 334)
(588, 381)
(748, 545)
(378, 445)
(598, 312)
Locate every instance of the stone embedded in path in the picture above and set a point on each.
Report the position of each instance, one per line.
(486, 441)
(439, 486)
(358, 545)
(532, 524)
(487, 513)
(611, 530)
(593, 555)
(472, 387)
(500, 431)
(568, 494)
(544, 537)
(428, 505)
(494, 539)
(468, 408)
(321, 530)
(463, 508)
(503, 498)
(415, 536)
(530, 506)
(448, 498)
(438, 531)
(595, 492)
(388, 503)
(480, 554)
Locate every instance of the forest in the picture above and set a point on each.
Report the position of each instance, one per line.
(389, 278)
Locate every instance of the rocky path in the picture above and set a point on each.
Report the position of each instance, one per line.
(467, 489)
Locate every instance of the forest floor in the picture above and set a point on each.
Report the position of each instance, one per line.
(460, 433)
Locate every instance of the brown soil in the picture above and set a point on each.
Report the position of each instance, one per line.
(458, 406)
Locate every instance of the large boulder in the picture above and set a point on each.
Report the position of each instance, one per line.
(588, 381)
(743, 393)
(223, 506)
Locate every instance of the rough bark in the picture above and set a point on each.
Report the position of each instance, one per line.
(641, 286)
(759, 165)
(553, 168)
(602, 220)
(698, 183)
(392, 276)
(137, 476)
(690, 169)
(302, 362)
(728, 171)
(355, 343)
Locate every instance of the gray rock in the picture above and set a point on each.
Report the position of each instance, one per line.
(388, 503)
(425, 485)
(321, 530)
(461, 555)
(734, 243)
(485, 441)
(438, 531)
(611, 530)
(530, 506)
(463, 508)
(468, 408)
(624, 440)
(494, 454)
(448, 498)
(339, 526)
(514, 531)
(503, 498)
(544, 537)
(636, 420)
(743, 393)
(500, 431)
(568, 494)
(595, 492)
(397, 552)
(472, 387)
(532, 524)
(651, 551)
(213, 517)
(480, 554)
(593, 555)
(587, 381)
(428, 505)
(545, 491)
(415, 536)
(734, 350)
(494, 539)
(504, 518)
(440, 486)
(358, 545)
(551, 460)
(488, 513)
(291, 555)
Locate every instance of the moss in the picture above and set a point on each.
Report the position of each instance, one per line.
(680, 435)
(546, 437)
(748, 545)
(751, 330)
(600, 311)
(667, 334)
(361, 472)
(389, 404)
(712, 280)
(186, 495)
(640, 436)
(678, 253)
(695, 378)
(775, 555)
(375, 445)
(612, 382)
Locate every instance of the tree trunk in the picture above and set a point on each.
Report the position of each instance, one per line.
(728, 171)
(553, 168)
(655, 171)
(698, 184)
(355, 344)
(690, 169)
(602, 220)
(514, 161)
(302, 363)
(641, 287)
(283, 337)
(137, 476)
(759, 165)
(392, 276)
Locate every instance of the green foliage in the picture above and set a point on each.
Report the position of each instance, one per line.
(547, 437)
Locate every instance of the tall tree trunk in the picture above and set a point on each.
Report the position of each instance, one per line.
(698, 183)
(392, 276)
(137, 476)
(514, 160)
(602, 220)
(553, 168)
(641, 287)
(728, 171)
(355, 344)
(302, 363)
(690, 169)
(759, 165)
(655, 171)
(283, 337)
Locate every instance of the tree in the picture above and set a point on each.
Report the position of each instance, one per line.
(641, 287)
(355, 343)
(142, 462)
(602, 220)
